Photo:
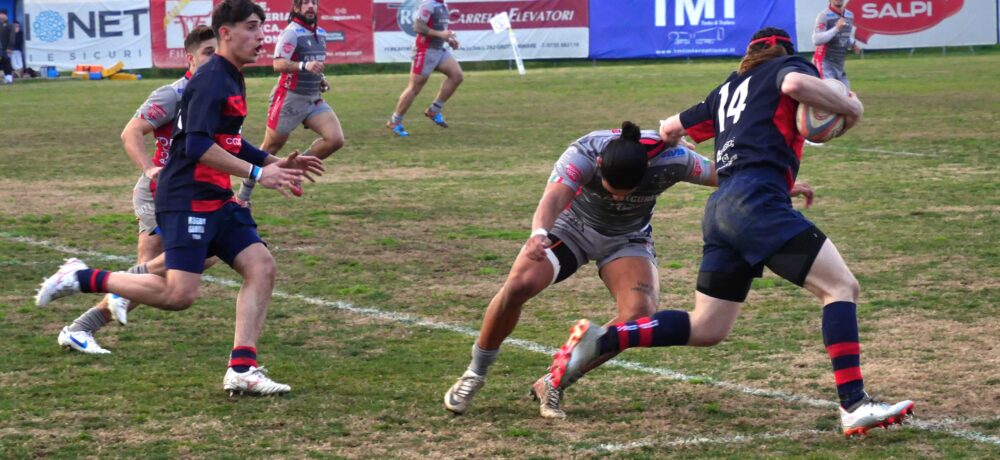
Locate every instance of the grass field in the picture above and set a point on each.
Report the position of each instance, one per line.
(386, 265)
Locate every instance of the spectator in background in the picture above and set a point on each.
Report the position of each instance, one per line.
(6, 42)
(17, 51)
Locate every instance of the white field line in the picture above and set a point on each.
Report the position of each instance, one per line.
(943, 426)
(880, 151)
(698, 440)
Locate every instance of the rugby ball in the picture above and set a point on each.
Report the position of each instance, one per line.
(819, 125)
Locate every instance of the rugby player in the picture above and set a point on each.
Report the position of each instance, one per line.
(749, 223)
(299, 55)
(429, 54)
(833, 36)
(195, 208)
(155, 116)
(597, 206)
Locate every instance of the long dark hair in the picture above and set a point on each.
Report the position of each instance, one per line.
(624, 160)
(763, 48)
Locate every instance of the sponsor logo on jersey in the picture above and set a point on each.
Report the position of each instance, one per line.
(155, 112)
(288, 48)
(236, 106)
(573, 173)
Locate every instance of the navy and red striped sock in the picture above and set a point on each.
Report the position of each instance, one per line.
(93, 280)
(840, 335)
(664, 329)
(242, 358)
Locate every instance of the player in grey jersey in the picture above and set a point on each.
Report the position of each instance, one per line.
(833, 36)
(155, 116)
(430, 22)
(597, 206)
(299, 54)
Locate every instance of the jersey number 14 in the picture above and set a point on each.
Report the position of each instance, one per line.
(736, 106)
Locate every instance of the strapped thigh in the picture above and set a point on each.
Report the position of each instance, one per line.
(564, 262)
(794, 260)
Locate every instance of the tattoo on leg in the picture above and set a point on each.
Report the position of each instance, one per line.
(643, 288)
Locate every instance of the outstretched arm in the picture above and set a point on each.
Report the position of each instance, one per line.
(555, 199)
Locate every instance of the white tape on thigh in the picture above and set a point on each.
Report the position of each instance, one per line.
(555, 265)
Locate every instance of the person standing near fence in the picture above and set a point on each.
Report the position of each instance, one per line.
(833, 36)
(6, 46)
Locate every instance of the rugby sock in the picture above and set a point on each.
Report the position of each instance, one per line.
(482, 360)
(246, 189)
(437, 106)
(242, 358)
(139, 269)
(91, 320)
(93, 280)
(840, 335)
(666, 328)
(396, 118)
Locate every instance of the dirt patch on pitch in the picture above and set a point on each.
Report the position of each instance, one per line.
(46, 197)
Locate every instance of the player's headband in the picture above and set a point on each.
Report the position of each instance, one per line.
(771, 40)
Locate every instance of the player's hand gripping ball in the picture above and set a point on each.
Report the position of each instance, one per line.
(818, 125)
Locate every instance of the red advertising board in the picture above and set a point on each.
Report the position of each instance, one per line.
(892, 17)
(348, 25)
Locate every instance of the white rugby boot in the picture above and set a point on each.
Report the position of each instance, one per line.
(82, 341)
(119, 308)
(253, 382)
(61, 284)
(548, 396)
(871, 413)
(458, 397)
(579, 350)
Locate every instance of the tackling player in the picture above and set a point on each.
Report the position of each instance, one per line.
(749, 223)
(597, 206)
(429, 54)
(155, 116)
(195, 209)
(833, 36)
(299, 55)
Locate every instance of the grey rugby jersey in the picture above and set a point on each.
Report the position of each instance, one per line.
(831, 43)
(594, 206)
(300, 42)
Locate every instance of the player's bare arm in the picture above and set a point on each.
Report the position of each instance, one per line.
(555, 198)
(134, 142)
(421, 27)
(812, 91)
(672, 132)
(272, 176)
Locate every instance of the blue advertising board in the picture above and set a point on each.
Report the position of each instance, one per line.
(623, 29)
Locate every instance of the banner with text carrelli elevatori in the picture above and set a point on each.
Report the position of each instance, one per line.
(885, 24)
(544, 29)
(625, 29)
(67, 33)
(348, 25)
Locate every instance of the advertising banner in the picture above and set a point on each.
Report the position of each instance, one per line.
(66, 33)
(682, 28)
(884, 24)
(543, 29)
(348, 25)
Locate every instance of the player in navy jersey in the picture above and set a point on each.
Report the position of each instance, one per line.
(299, 54)
(155, 116)
(195, 209)
(430, 22)
(749, 223)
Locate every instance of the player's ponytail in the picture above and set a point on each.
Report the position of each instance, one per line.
(624, 160)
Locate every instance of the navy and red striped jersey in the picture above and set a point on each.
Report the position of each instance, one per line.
(752, 121)
(214, 104)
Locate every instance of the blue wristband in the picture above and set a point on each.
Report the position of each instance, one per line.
(255, 172)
